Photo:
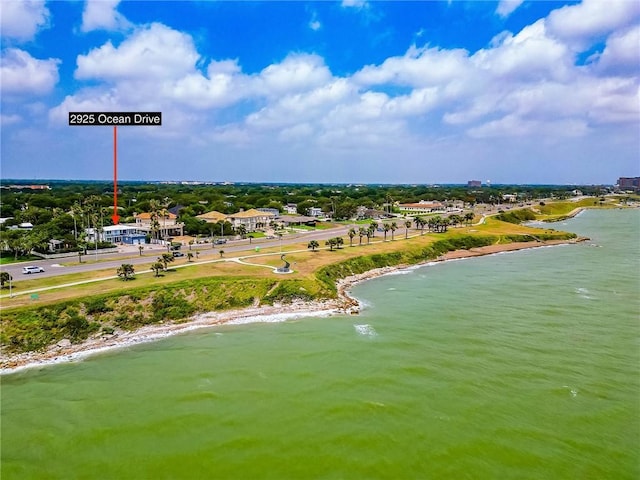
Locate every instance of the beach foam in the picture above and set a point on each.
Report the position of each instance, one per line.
(365, 330)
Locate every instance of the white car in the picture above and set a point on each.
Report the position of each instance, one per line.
(32, 269)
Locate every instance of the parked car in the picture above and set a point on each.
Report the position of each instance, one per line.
(32, 269)
(176, 253)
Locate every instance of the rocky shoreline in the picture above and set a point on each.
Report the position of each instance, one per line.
(345, 304)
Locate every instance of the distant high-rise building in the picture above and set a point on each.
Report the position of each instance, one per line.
(474, 183)
(629, 183)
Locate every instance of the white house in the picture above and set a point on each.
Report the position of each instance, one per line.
(315, 212)
(122, 233)
(421, 208)
(291, 208)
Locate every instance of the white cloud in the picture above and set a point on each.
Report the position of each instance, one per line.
(523, 85)
(514, 126)
(6, 120)
(581, 23)
(23, 74)
(507, 7)
(21, 20)
(419, 67)
(297, 72)
(152, 52)
(103, 15)
(314, 23)
(222, 86)
(530, 54)
(354, 3)
(621, 55)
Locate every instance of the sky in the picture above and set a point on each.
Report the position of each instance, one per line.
(358, 91)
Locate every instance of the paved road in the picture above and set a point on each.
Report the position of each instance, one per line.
(114, 260)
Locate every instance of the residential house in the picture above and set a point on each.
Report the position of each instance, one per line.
(167, 225)
(121, 233)
(291, 208)
(212, 217)
(315, 212)
(251, 219)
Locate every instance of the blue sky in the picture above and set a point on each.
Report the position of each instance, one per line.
(510, 91)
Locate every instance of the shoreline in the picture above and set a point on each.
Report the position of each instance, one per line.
(344, 304)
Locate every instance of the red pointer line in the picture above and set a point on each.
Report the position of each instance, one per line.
(115, 216)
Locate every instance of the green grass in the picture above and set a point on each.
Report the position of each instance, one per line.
(556, 211)
(6, 259)
(80, 311)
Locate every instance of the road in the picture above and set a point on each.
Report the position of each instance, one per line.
(69, 265)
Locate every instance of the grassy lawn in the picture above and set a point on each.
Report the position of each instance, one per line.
(559, 210)
(303, 261)
(32, 322)
(7, 259)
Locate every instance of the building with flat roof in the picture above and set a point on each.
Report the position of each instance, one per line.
(422, 207)
(629, 183)
(121, 233)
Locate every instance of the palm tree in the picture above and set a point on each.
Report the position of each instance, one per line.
(373, 227)
(313, 245)
(339, 242)
(386, 228)
(221, 253)
(468, 217)
(154, 211)
(352, 233)
(362, 233)
(166, 258)
(407, 226)
(140, 248)
(393, 227)
(76, 209)
(126, 271)
(332, 243)
(433, 221)
(189, 256)
(369, 234)
(157, 267)
(4, 278)
(241, 230)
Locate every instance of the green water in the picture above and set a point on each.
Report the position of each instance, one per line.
(521, 365)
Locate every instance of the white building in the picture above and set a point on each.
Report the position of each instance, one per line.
(421, 208)
(315, 212)
(122, 233)
(291, 208)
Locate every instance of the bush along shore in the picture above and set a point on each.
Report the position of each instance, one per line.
(34, 333)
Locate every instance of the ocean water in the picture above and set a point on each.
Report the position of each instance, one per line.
(522, 365)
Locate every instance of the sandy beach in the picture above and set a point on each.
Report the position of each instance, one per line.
(64, 351)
